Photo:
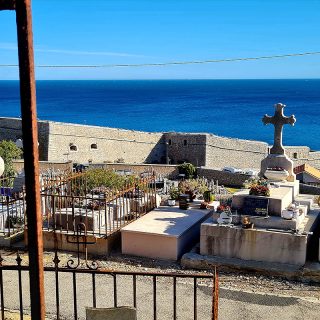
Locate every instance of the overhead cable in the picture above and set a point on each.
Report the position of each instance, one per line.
(162, 64)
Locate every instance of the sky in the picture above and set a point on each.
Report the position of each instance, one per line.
(100, 32)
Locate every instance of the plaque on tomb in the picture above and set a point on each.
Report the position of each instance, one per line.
(255, 206)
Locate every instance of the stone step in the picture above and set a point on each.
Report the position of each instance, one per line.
(305, 199)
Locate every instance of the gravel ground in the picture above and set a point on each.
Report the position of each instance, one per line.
(234, 281)
(241, 296)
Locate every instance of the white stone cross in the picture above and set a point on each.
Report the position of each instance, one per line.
(278, 120)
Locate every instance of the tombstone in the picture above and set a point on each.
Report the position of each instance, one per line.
(18, 183)
(277, 156)
(120, 313)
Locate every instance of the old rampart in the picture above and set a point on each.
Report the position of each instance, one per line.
(59, 142)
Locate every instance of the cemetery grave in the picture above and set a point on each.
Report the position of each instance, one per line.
(270, 221)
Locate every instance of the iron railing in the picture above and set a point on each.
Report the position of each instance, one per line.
(66, 202)
(70, 290)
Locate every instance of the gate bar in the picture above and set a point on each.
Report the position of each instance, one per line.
(31, 156)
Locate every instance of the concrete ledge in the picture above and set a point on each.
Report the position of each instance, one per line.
(10, 240)
(310, 272)
(59, 240)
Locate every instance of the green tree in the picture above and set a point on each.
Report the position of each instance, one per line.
(9, 151)
(188, 169)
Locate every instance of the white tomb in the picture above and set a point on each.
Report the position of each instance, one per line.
(164, 233)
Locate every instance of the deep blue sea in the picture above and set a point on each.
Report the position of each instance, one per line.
(231, 108)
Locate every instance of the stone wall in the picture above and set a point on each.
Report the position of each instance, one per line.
(80, 143)
(172, 172)
(10, 129)
(165, 171)
(224, 178)
(186, 147)
(45, 165)
(243, 154)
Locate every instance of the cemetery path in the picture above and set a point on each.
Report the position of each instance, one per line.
(233, 304)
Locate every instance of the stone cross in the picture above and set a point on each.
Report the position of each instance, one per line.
(278, 120)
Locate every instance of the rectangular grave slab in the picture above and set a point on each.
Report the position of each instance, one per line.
(164, 233)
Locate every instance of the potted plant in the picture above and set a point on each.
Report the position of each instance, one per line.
(208, 196)
(259, 188)
(174, 195)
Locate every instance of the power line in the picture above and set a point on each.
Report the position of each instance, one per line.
(160, 64)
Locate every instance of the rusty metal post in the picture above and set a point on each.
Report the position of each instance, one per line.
(215, 295)
(31, 156)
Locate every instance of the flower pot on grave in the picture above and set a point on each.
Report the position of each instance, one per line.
(171, 202)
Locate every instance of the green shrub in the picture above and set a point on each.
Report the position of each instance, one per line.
(188, 169)
(174, 193)
(9, 151)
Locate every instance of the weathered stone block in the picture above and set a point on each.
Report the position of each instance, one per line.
(120, 313)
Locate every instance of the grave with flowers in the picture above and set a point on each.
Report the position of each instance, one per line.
(268, 220)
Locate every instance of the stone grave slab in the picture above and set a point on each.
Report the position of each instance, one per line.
(280, 199)
(164, 233)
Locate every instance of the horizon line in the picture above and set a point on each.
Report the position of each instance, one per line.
(168, 79)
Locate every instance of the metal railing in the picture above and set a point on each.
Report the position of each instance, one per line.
(71, 290)
(67, 201)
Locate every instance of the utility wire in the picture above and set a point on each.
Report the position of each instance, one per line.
(160, 64)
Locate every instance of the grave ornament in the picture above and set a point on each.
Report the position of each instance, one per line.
(278, 120)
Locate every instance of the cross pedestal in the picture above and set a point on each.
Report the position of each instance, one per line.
(278, 160)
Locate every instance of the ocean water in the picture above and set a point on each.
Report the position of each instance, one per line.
(231, 108)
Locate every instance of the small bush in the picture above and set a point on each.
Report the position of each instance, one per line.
(188, 169)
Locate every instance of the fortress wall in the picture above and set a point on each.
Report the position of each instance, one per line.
(111, 144)
(297, 152)
(186, 147)
(238, 153)
(130, 146)
(11, 129)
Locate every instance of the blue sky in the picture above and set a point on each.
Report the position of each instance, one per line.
(69, 32)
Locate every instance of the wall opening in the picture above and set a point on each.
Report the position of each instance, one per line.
(94, 146)
(185, 142)
(295, 155)
(73, 147)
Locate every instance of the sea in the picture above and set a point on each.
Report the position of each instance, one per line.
(231, 108)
